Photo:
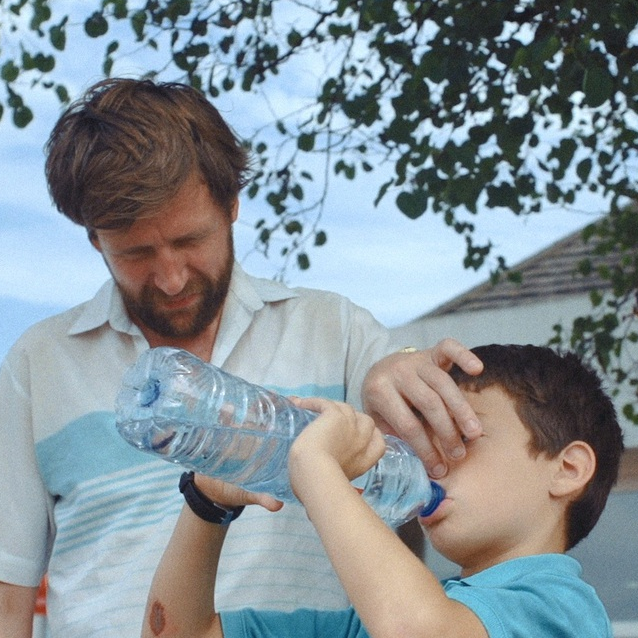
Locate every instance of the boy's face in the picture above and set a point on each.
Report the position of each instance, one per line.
(498, 505)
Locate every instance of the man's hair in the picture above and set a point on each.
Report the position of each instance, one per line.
(127, 147)
(559, 399)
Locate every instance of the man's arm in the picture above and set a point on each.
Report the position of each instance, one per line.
(181, 599)
(393, 592)
(16, 610)
(411, 395)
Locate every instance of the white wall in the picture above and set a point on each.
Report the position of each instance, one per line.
(525, 323)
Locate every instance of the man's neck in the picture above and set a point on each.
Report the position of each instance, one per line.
(200, 345)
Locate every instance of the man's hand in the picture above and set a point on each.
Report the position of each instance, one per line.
(412, 396)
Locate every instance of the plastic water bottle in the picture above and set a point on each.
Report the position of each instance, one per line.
(175, 406)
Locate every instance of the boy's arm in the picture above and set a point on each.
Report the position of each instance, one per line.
(181, 599)
(180, 602)
(394, 593)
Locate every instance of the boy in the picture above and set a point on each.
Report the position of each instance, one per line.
(529, 489)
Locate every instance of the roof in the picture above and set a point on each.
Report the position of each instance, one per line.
(550, 273)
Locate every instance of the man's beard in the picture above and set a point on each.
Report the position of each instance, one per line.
(186, 323)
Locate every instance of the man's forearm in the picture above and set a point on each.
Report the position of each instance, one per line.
(16, 610)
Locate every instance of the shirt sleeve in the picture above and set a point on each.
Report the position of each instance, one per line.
(24, 501)
(301, 623)
(368, 341)
(543, 607)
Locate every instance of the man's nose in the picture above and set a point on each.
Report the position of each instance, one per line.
(170, 273)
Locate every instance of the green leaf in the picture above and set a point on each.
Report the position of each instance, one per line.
(502, 195)
(22, 115)
(57, 36)
(177, 8)
(9, 71)
(553, 193)
(297, 192)
(96, 25)
(62, 93)
(306, 142)
(480, 134)
(412, 204)
(120, 10)
(598, 86)
(294, 38)
(348, 170)
(44, 63)
(303, 261)
(200, 50)
(584, 169)
(138, 22)
(293, 227)
(320, 238)
(41, 13)
(264, 236)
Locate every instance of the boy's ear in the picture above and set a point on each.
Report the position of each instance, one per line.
(575, 466)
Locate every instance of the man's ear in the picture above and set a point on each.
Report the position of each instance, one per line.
(575, 465)
(234, 211)
(95, 241)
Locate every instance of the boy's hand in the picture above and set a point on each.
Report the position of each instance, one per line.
(340, 433)
(231, 496)
(412, 396)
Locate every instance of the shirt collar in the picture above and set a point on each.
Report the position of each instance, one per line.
(493, 576)
(107, 306)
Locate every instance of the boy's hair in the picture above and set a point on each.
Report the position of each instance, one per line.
(127, 147)
(559, 400)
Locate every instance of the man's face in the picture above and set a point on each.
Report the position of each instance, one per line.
(173, 269)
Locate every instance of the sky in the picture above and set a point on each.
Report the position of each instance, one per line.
(396, 267)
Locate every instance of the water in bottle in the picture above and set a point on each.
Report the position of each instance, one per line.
(175, 406)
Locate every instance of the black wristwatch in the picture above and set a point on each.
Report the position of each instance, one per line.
(202, 506)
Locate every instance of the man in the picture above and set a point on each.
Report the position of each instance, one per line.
(153, 173)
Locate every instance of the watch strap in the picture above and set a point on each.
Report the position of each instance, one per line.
(202, 506)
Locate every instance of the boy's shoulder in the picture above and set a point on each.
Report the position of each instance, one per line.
(544, 593)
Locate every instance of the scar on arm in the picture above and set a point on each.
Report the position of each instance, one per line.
(156, 618)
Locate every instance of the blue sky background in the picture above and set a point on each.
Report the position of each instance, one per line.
(396, 267)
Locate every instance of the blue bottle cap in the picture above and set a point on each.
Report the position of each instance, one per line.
(438, 494)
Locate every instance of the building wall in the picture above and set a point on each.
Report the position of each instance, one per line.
(527, 323)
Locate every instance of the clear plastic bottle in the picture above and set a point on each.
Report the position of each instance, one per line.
(175, 406)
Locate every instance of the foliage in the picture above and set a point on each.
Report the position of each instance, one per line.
(463, 106)
(608, 335)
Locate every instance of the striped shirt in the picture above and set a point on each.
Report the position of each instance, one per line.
(94, 513)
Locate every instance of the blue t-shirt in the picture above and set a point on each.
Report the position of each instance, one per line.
(542, 596)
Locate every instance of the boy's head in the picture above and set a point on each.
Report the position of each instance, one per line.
(559, 400)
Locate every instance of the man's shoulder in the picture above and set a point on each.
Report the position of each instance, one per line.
(256, 291)
(56, 324)
(52, 332)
